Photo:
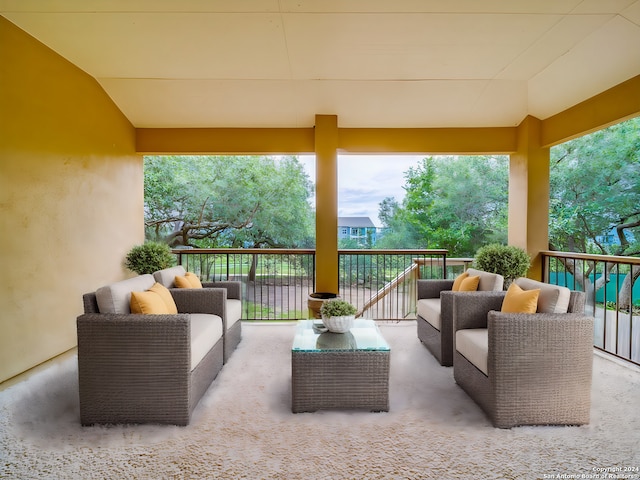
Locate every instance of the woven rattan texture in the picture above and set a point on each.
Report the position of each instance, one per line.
(346, 379)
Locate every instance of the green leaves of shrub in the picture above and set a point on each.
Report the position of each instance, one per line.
(337, 308)
(507, 260)
(149, 257)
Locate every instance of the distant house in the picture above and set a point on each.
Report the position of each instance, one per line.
(360, 229)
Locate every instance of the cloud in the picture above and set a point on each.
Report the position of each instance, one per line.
(365, 180)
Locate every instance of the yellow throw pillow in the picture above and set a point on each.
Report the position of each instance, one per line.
(458, 281)
(188, 281)
(518, 300)
(470, 284)
(194, 280)
(165, 294)
(148, 303)
(182, 282)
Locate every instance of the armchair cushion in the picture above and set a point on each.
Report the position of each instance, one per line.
(518, 300)
(488, 281)
(429, 309)
(552, 299)
(473, 344)
(167, 276)
(234, 311)
(116, 298)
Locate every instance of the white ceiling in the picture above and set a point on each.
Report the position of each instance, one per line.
(374, 63)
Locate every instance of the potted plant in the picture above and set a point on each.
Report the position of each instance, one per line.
(149, 257)
(507, 260)
(338, 315)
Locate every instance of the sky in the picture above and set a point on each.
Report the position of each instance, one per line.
(365, 180)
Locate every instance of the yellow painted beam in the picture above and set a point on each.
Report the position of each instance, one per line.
(243, 141)
(471, 141)
(326, 142)
(529, 194)
(609, 107)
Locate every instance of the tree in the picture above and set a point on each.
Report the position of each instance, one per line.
(214, 201)
(595, 196)
(457, 203)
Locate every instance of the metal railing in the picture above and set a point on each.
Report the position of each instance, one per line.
(613, 296)
(277, 283)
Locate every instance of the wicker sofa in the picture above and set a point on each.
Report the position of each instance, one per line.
(435, 312)
(231, 310)
(136, 368)
(526, 368)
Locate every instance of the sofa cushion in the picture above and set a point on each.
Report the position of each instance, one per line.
(489, 282)
(165, 294)
(206, 330)
(167, 276)
(233, 311)
(429, 309)
(473, 344)
(518, 300)
(116, 298)
(552, 299)
(469, 284)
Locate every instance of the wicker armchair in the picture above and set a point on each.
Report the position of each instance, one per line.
(435, 312)
(232, 309)
(136, 368)
(524, 369)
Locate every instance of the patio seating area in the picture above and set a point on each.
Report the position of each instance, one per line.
(432, 430)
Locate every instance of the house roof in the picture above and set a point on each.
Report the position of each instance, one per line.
(373, 63)
(357, 222)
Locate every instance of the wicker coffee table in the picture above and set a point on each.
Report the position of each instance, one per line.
(339, 370)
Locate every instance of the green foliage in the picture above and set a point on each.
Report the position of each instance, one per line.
(149, 257)
(337, 308)
(507, 260)
(455, 203)
(228, 201)
(595, 190)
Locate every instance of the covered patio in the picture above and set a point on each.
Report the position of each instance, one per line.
(87, 88)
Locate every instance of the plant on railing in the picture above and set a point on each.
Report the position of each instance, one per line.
(507, 260)
(149, 257)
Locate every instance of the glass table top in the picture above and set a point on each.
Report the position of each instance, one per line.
(311, 336)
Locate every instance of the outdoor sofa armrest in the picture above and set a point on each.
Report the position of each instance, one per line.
(200, 300)
(136, 339)
(432, 288)
(470, 309)
(540, 367)
(234, 288)
(547, 340)
(126, 365)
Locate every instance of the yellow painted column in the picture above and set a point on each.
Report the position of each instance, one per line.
(326, 148)
(529, 194)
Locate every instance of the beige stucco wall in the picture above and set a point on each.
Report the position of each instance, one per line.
(71, 198)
